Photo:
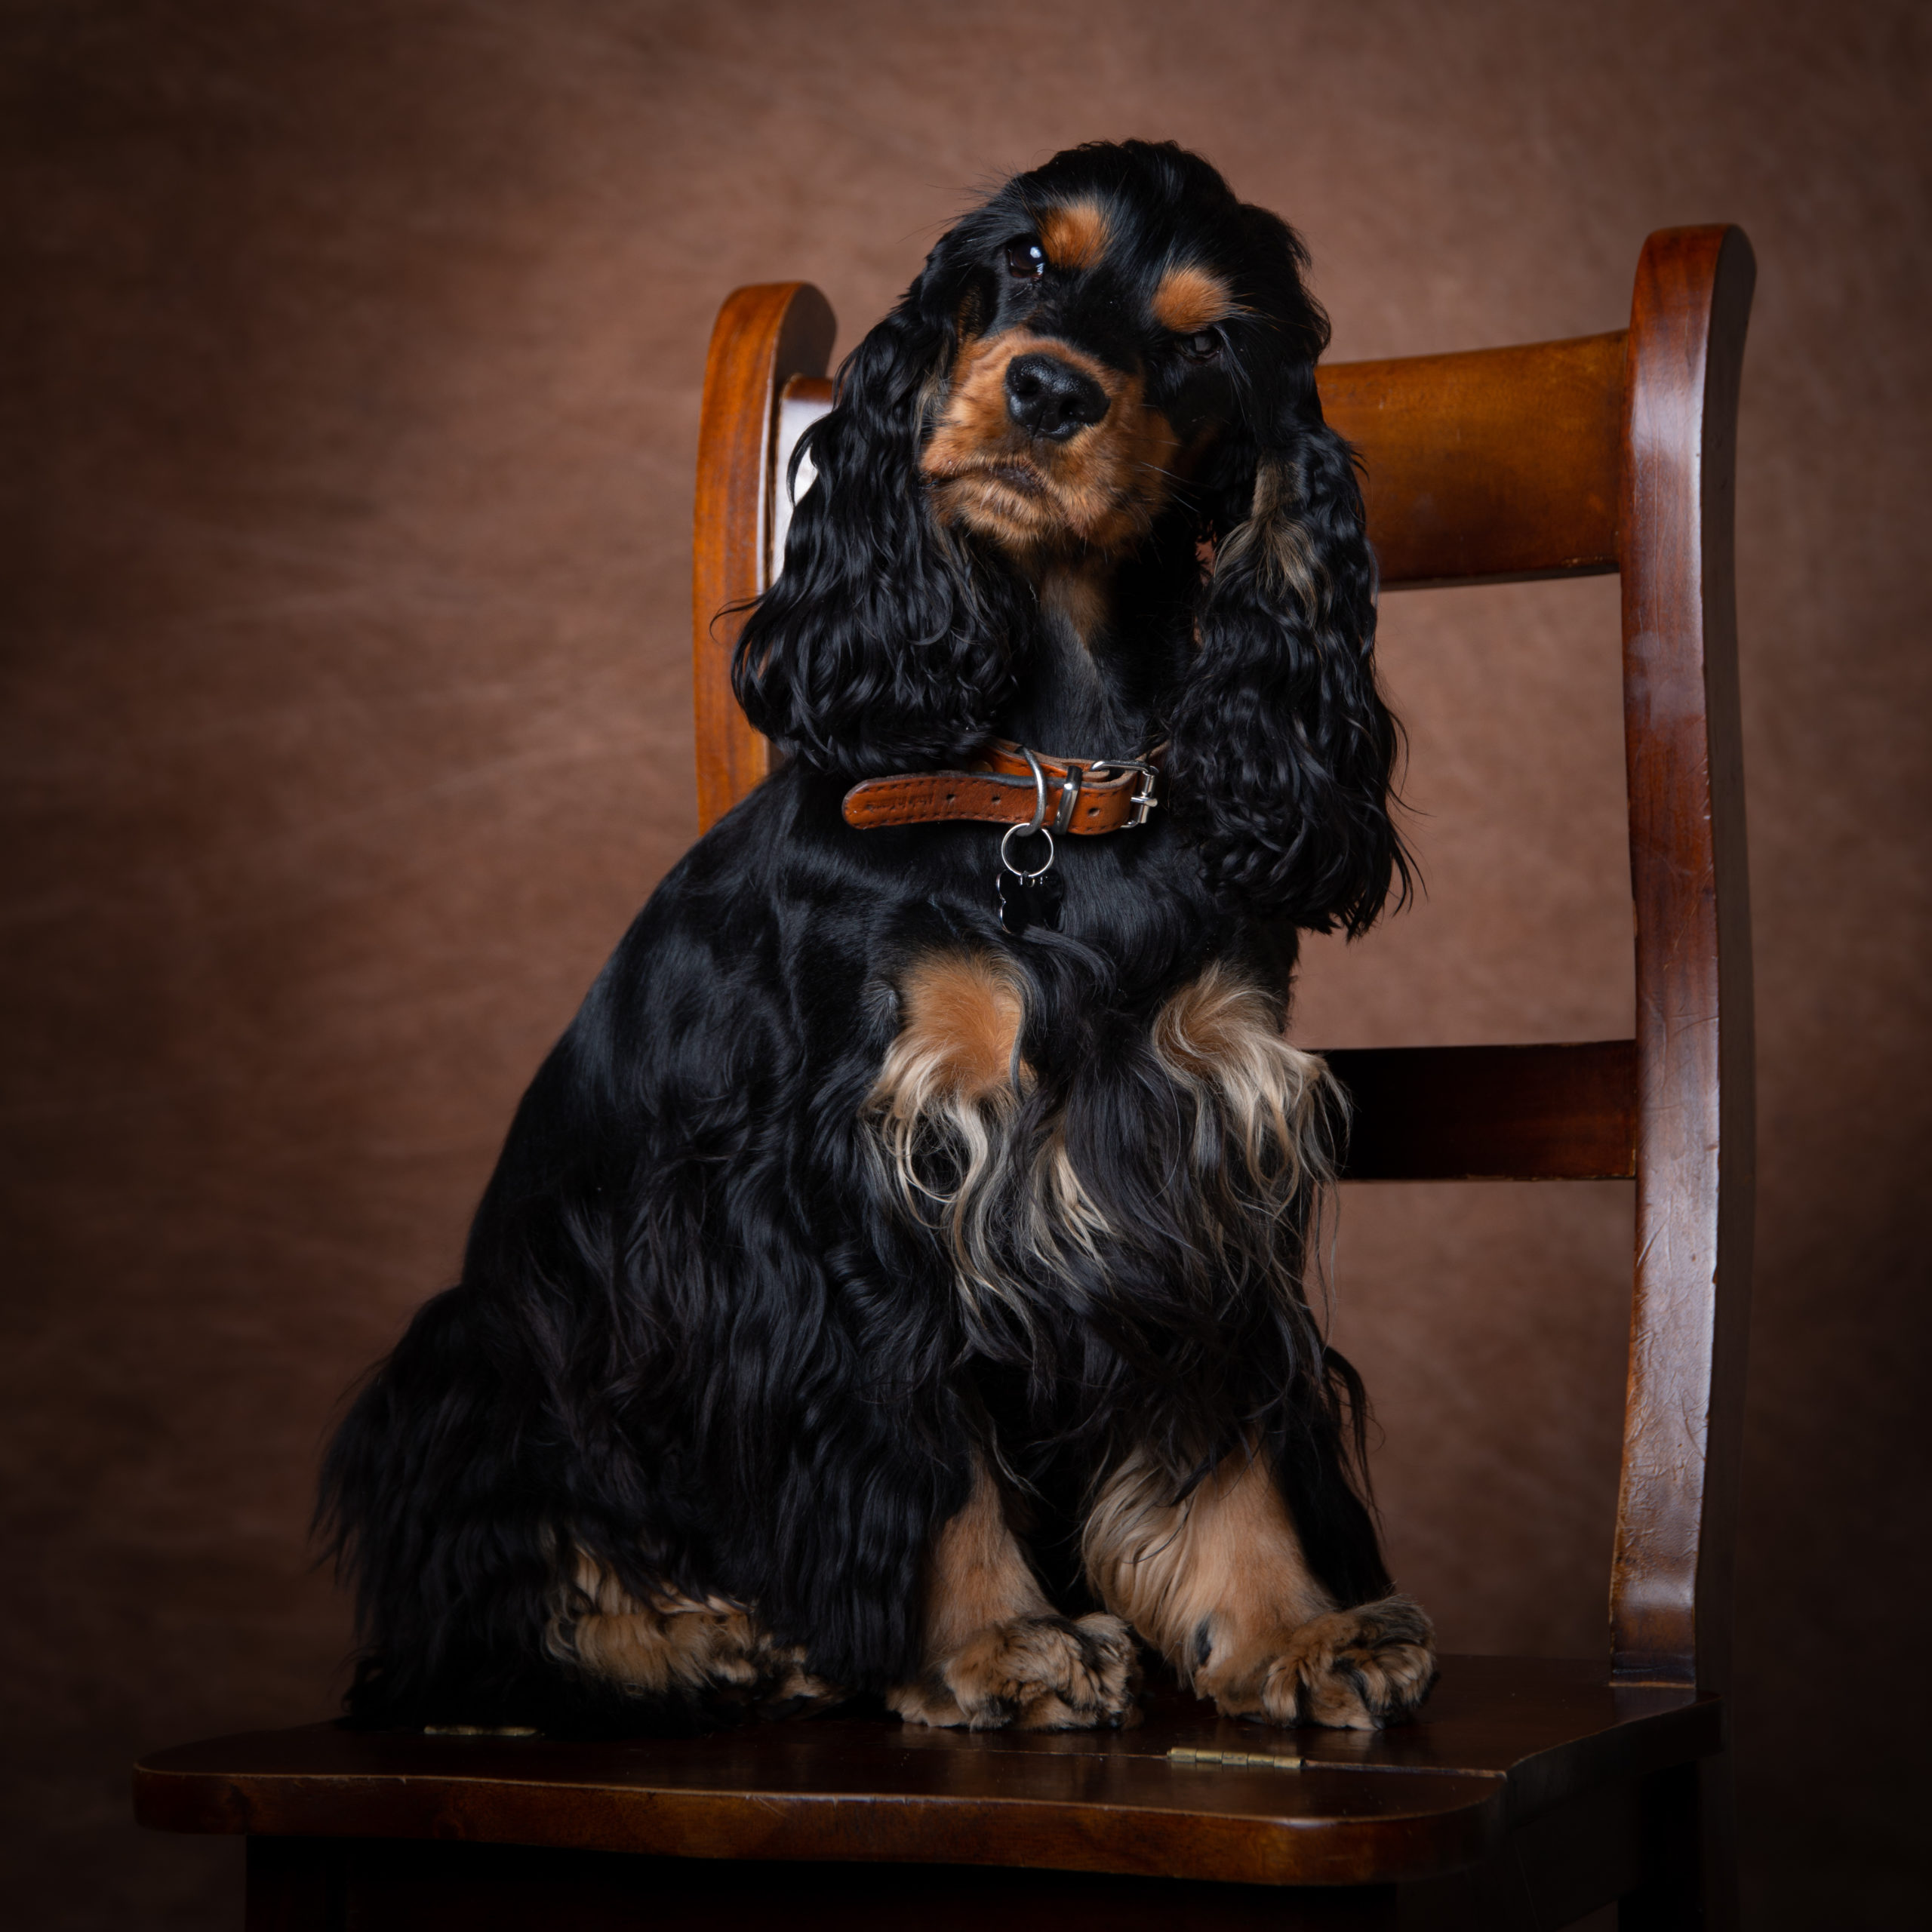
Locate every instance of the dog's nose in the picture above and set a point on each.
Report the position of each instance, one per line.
(1051, 398)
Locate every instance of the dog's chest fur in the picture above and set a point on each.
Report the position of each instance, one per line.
(1022, 1185)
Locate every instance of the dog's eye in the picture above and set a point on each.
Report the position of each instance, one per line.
(1202, 346)
(1025, 261)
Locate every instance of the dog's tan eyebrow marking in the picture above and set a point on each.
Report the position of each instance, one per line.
(1076, 234)
(1190, 298)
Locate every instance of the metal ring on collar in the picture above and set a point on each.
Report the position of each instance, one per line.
(1069, 797)
(1039, 818)
(1014, 832)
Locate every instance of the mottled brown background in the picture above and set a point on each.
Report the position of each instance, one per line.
(351, 384)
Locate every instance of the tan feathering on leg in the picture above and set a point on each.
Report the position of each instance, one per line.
(674, 1642)
(995, 1652)
(1218, 1583)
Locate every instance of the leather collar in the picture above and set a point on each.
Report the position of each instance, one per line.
(1083, 795)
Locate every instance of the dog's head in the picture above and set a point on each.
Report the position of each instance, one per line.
(1112, 352)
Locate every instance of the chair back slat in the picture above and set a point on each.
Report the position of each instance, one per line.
(1491, 466)
(1490, 1113)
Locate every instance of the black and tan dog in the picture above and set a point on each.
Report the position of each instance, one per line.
(894, 1282)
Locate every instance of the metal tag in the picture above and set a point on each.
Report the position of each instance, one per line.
(1026, 901)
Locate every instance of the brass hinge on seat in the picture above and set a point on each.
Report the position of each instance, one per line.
(1250, 1760)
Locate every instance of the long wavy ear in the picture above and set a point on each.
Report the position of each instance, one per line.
(886, 640)
(1282, 751)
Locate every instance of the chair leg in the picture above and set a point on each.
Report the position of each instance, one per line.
(1495, 1897)
(1690, 1852)
(295, 1885)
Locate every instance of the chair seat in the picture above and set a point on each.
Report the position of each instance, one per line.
(1502, 1741)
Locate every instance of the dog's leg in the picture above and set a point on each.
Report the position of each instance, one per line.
(1219, 1584)
(995, 1653)
(675, 1645)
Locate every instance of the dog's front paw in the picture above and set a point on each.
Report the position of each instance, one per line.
(1031, 1673)
(1353, 1669)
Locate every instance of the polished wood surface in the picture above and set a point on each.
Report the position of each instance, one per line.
(1490, 467)
(765, 335)
(1501, 1741)
(1490, 1113)
(1671, 1580)
(1670, 1595)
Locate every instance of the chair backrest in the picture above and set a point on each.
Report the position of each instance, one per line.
(1611, 452)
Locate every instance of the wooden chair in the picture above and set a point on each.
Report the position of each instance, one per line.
(1531, 1793)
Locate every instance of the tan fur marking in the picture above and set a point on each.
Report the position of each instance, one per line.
(1076, 234)
(962, 1013)
(977, 1573)
(1077, 595)
(1219, 1584)
(1067, 1211)
(1100, 491)
(1286, 553)
(1228, 1557)
(1191, 298)
(673, 1642)
(1223, 1033)
(949, 1086)
(995, 1656)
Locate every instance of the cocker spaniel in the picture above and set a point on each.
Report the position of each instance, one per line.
(895, 1283)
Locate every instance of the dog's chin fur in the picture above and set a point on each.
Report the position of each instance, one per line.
(868, 1302)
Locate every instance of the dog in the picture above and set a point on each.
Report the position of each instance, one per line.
(896, 1284)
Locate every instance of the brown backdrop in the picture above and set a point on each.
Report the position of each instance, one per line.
(352, 389)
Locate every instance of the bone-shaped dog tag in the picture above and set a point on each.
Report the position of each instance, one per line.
(1025, 901)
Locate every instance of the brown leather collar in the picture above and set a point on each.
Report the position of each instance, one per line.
(999, 788)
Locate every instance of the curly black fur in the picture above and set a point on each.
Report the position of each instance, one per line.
(697, 1335)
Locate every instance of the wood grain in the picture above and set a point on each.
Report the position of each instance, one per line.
(1670, 1579)
(1490, 467)
(1502, 1741)
(765, 335)
(1676, 1520)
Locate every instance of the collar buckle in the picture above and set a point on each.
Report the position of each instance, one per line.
(1144, 800)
